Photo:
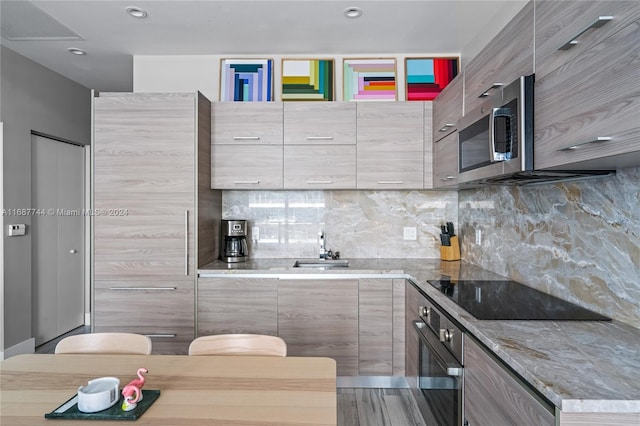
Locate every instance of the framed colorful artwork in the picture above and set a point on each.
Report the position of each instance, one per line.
(426, 77)
(308, 80)
(369, 80)
(246, 80)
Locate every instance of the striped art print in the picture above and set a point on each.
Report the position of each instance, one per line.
(370, 80)
(246, 80)
(426, 77)
(307, 80)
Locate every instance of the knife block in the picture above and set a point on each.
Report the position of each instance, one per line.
(451, 252)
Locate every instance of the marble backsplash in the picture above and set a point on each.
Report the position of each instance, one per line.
(358, 224)
(577, 240)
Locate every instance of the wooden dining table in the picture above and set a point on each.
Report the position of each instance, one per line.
(194, 390)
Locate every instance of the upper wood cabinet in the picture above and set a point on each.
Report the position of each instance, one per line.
(246, 123)
(587, 113)
(320, 166)
(320, 151)
(319, 123)
(445, 162)
(427, 180)
(567, 29)
(447, 108)
(390, 145)
(508, 56)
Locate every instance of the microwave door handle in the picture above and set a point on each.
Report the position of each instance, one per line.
(492, 135)
(496, 155)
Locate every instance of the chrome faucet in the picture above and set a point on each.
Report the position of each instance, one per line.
(326, 254)
(323, 253)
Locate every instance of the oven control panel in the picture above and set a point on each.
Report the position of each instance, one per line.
(445, 329)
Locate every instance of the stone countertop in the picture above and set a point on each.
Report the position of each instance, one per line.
(580, 366)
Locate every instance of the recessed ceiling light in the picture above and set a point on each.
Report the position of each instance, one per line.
(353, 12)
(136, 12)
(76, 51)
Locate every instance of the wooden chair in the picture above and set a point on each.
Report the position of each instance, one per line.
(105, 343)
(238, 344)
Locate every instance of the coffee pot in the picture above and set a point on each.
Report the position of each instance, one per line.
(233, 241)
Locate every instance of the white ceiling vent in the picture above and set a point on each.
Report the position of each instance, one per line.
(22, 21)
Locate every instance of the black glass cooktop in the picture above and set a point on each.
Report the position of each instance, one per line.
(510, 300)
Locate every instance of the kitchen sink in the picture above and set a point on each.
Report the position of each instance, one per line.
(321, 264)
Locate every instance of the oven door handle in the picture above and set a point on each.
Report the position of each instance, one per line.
(448, 362)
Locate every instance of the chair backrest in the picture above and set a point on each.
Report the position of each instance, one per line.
(238, 344)
(105, 343)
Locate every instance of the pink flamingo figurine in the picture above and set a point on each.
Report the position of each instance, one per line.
(133, 388)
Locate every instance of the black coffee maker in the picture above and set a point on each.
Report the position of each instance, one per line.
(233, 241)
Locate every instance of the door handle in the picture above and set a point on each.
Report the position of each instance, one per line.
(186, 242)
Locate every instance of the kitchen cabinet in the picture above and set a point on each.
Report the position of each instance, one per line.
(319, 317)
(320, 145)
(445, 162)
(375, 314)
(145, 151)
(508, 56)
(447, 109)
(319, 123)
(427, 178)
(390, 142)
(246, 145)
(413, 301)
(495, 396)
(587, 110)
(237, 305)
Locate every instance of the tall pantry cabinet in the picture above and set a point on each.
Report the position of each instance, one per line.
(152, 196)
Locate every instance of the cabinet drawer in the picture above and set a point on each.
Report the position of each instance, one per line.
(246, 167)
(320, 123)
(445, 162)
(508, 56)
(165, 340)
(246, 123)
(320, 167)
(447, 109)
(593, 96)
(560, 22)
(144, 304)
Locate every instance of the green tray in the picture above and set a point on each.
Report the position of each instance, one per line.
(69, 410)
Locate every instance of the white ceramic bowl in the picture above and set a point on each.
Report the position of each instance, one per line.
(98, 394)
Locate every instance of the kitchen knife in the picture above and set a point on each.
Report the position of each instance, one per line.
(450, 229)
(446, 239)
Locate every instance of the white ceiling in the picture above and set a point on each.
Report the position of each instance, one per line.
(37, 30)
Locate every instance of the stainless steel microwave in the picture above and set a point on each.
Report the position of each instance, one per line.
(496, 140)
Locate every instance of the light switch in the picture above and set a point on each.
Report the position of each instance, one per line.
(16, 230)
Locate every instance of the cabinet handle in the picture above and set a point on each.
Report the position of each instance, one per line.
(596, 24)
(444, 179)
(319, 138)
(246, 138)
(186, 242)
(390, 182)
(144, 288)
(314, 182)
(493, 86)
(246, 182)
(577, 145)
(165, 336)
(446, 127)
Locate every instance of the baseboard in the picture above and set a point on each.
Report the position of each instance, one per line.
(26, 347)
(393, 382)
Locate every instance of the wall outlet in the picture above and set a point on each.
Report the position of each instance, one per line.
(410, 233)
(255, 233)
(478, 237)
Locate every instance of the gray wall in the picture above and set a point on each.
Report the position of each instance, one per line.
(32, 98)
(578, 240)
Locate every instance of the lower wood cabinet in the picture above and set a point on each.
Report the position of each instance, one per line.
(413, 300)
(239, 305)
(162, 310)
(358, 322)
(320, 318)
(494, 396)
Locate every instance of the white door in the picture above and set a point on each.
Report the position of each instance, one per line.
(57, 237)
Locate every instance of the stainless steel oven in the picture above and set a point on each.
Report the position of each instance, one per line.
(440, 368)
